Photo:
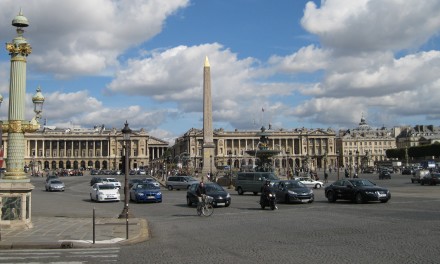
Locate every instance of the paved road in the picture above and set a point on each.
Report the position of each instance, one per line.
(404, 230)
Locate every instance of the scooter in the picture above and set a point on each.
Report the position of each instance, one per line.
(269, 200)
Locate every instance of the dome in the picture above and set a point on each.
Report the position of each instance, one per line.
(20, 21)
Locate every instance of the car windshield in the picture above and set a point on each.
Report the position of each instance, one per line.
(189, 178)
(213, 188)
(362, 183)
(294, 184)
(147, 186)
(106, 187)
(111, 180)
(150, 180)
(56, 182)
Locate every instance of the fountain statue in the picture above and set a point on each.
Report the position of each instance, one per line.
(263, 153)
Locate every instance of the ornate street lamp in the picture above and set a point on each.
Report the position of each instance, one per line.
(126, 133)
(210, 168)
(230, 170)
(15, 186)
(350, 160)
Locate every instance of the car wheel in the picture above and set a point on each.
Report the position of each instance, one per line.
(170, 187)
(317, 186)
(227, 205)
(422, 183)
(384, 201)
(412, 181)
(331, 197)
(240, 191)
(91, 198)
(188, 201)
(255, 193)
(359, 199)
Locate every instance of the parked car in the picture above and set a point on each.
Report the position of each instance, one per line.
(431, 179)
(113, 181)
(180, 182)
(95, 180)
(55, 185)
(221, 196)
(145, 192)
(311, 183)
(369, 170)
(384, 174)
(293, 191)
(357, 190)
(101, 192)
(152, 181)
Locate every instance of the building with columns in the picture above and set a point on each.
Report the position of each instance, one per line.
(99, 148)
(300, 148)
(364, 146)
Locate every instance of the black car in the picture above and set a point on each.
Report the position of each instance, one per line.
(384, 174)
(95, 180)
(407, 171)
(293, 191)
(431, 179)
(221, 197)
(357, 190)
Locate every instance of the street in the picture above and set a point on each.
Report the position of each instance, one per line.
(404, 230)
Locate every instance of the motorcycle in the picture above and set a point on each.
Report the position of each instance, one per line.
(268, 200)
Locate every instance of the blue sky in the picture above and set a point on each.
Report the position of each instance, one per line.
(314, 64)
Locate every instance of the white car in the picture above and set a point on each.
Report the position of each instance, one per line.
(101, 192)
(311, 183)
(112, 181)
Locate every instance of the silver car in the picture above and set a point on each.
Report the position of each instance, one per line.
(180, 182)
(55, 185)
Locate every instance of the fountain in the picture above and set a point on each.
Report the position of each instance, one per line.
(263, 153)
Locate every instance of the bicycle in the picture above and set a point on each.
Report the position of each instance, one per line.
(205, 207)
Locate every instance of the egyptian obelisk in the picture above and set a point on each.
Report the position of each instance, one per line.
(208, 141)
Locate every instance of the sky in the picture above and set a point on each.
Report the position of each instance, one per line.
(288, 63)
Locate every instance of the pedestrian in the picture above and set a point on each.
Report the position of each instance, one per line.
(325, 177)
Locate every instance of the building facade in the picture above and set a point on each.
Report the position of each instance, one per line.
(364, 146)
(418, 135)
(99, 148)
(299, 149)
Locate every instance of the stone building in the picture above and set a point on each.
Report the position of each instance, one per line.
(364, 146)
(418, 135)
(99, 148)
(299, 148)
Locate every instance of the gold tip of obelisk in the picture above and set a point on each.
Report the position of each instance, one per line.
(206, 62)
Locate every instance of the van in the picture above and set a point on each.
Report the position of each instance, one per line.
(252, 181)
(419, 175)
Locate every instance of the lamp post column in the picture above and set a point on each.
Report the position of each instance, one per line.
(126, 131)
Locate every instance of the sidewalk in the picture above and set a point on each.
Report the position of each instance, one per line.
(65, 232)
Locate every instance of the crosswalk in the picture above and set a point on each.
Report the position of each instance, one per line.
(58, 256)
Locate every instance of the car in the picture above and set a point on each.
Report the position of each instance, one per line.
(152, 181)
(219, 194)
(431, 179)
(101, 192)
(293, 191)
(357, 190)
(113, 181)
(384, 174)
(419, 175)
(179, 182)
(311, 183)
(95, 180)
(145, 192)
(368, 170)
(407, 171)
(55, 185)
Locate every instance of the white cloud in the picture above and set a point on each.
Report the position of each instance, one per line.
(82, 37)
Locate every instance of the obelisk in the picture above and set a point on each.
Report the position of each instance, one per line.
(208, 141)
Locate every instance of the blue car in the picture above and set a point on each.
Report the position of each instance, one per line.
(145, 192)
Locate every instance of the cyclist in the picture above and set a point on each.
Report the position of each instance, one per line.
(200, 192)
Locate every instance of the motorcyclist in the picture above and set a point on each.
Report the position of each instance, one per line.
(266, 190)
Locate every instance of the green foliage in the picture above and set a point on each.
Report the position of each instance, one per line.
(415, 152)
